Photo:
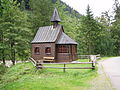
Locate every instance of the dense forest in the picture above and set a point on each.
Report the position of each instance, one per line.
(20, 19)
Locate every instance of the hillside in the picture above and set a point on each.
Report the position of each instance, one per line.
(68, 8)
(25, 77)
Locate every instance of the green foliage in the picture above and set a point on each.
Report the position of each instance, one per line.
(106, 43)
(115, 29)
(15, 30)
(89, 32)
(3, 69)
(98, 35)
(41, 13)
(116, 36)
(69, 20)
(18, 27)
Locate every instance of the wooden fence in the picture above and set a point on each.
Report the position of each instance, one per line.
(89, 57)
(40, 65)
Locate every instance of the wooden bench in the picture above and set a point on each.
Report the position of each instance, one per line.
(48, 59)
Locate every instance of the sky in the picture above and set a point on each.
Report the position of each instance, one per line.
(97, 6)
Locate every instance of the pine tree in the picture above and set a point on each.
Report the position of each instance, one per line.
(88, 33)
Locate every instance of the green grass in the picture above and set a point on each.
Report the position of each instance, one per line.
(104, 58)
(25, 77)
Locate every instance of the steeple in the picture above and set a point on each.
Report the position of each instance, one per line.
(55, 18)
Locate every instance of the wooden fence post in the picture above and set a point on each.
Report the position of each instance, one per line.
(64, 67)
(93, 66)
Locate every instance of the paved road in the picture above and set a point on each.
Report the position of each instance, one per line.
(112, 68)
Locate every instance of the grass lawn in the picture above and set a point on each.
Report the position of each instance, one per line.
(25, 77)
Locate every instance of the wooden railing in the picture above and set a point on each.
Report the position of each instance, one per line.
(41, 65)
(49, 59)
(33, 61)
(89, 57)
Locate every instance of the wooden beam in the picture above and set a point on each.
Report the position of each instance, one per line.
(40, 65)
(67, 67)
(33, 61)
(71, 63)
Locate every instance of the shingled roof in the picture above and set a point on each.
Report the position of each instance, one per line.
(65, 39)
(47, 34)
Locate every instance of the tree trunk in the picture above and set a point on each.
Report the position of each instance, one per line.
(13, 57)
(3, 57)
(3, 60)
(13, 62)
(12, 53)
(3, 50)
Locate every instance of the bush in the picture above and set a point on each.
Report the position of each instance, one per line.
(3, 69)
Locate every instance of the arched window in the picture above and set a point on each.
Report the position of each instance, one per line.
(48, 50)
(37, 50)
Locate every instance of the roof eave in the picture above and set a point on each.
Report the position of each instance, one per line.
(68, 43)
(40, 42)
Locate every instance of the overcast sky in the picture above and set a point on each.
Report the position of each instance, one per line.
(97, 6)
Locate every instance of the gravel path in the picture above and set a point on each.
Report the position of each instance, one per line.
(101, 82)
(112, 69)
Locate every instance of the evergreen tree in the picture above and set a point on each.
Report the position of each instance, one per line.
(88, 33)
(4, 5)
(105, 45)
(116, 28)
(16, 31)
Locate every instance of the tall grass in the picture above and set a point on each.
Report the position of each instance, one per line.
(3, 69)
(24, 76)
